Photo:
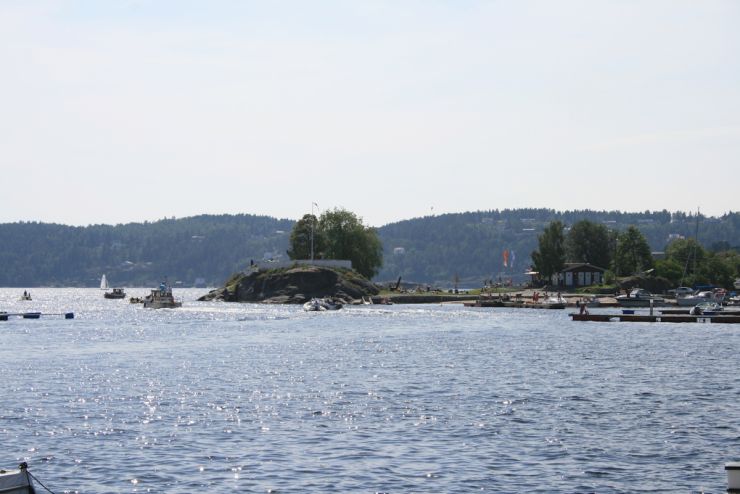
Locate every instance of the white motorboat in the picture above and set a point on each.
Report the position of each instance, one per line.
(592, 301)
(320, 305)
(554, 302)
(639, 297)
(706, 309)
(697, 298)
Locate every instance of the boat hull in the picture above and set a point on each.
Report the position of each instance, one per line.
(639, 302)
(161, 299)
(158, 304)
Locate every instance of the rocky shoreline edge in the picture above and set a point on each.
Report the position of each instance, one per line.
(294, 285)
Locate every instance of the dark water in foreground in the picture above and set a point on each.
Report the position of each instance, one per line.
(220, 397)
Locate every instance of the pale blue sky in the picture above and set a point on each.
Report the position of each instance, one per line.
(136, 110)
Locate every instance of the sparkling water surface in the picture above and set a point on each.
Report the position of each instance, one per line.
(218, 397)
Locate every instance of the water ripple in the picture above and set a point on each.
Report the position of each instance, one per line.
(243, 397)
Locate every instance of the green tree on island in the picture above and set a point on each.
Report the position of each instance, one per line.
(549, 258)
(633, 253)
(338, 234)
(306, 238)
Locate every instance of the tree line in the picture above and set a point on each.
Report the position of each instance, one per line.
(627, 253)
(432, 249)
(207, 247)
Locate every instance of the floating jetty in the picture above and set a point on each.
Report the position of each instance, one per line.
(4, 316)
(515, 304)
(733, 318)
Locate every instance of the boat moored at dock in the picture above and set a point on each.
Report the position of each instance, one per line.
(639, 297)
(699, 297)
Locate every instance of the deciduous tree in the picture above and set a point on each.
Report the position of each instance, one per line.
(633, 253)
(305, 231)
(589, 242)
(338, 234)
(347, 238)
(549, 258)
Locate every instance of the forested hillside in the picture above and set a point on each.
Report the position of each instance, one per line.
(432, 249)
(435, 249)
(138, 254)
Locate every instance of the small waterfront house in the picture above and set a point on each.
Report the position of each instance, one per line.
(576, 274)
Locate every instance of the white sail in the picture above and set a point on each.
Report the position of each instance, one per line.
(103, 283)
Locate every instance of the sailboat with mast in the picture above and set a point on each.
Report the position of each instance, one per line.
(692, 299)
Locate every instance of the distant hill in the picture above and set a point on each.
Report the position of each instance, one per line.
(202, 250)
(208, 249)
(434, 249)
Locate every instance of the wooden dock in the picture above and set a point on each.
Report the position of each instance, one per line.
(4, 316)
(718, 318)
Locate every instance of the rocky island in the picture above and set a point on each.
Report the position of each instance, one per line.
(294, 285)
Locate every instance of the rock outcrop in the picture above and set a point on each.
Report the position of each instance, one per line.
(295, 285)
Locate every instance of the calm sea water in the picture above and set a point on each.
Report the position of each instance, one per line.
(217, 397)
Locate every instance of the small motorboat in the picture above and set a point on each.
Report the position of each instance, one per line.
(639, 297)
(553, 302)
(695, 299)
(26, 295)
(320, 305)
(116, 293)
(706, 309)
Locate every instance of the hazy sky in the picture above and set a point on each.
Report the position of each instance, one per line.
(119, 111)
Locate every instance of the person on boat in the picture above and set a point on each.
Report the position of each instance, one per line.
(25, 294)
